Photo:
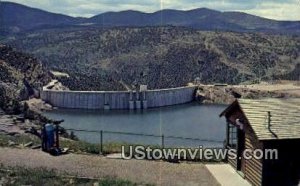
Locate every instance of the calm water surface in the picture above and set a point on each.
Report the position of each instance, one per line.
(189, 121)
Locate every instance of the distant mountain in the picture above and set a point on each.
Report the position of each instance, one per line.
(16, 18)
(202, 18)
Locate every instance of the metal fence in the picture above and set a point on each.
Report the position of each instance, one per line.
(161, 140)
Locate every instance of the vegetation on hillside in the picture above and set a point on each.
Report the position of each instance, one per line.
(110, 59)
(20, 76)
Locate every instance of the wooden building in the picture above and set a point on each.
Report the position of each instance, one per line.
(265, 124)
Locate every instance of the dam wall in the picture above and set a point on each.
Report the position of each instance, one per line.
(118, 99)
(173, 96)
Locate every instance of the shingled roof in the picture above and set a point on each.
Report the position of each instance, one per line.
(284, 117)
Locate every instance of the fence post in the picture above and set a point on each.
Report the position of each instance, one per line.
(163, 141)
(101, 142)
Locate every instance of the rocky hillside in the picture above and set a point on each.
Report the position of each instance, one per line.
(111, 59)
(21, 76)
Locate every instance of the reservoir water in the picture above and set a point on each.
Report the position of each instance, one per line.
(200, 122)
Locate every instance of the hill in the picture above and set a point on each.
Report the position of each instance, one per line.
(111, 59)
(16, 18)
(21, 75)
(201, 18)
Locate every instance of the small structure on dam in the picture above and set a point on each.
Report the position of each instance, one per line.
(132, 99)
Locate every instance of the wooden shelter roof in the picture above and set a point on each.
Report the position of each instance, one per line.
(284, 120)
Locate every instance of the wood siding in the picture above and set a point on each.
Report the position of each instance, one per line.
(253, 167)
(280, 132)
(233, 163)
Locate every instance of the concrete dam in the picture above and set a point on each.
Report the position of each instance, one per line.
(118, 99)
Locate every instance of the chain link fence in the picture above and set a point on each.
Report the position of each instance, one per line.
(164, 141)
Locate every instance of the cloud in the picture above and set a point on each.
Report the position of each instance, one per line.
(273, 9)
(283, 11)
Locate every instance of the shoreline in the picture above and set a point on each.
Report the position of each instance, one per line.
(34, 109)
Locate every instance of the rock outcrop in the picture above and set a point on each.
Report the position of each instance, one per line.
(21, 77)
(227, 94)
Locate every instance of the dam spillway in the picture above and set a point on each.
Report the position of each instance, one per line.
(118, 99)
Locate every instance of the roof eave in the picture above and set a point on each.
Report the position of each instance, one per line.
(231, 106)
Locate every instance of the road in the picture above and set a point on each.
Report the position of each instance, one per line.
(93, 166)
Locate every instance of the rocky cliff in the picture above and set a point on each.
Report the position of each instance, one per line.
(21, 77)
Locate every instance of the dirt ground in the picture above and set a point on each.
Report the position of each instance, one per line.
(7, 124)
(290, 87)
(138, 171)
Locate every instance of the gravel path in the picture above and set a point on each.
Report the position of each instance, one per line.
(138, 171)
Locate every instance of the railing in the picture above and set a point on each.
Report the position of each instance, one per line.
(162, 137)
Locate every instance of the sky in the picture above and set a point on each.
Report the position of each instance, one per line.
(273, 9)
